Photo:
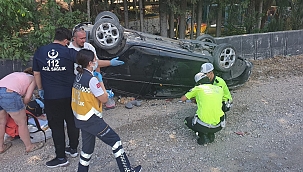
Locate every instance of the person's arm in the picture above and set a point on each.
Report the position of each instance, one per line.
(103, 63)
(112, 62)
(38, 80)
(39, 84)
(29, 92)
(98, 90)
(227, 95)
(189, 95)
(104, 97)
(184, 98)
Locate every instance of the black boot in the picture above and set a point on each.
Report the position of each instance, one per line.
(211, 137)
(137, 169)
(203, 139)
(123, 163)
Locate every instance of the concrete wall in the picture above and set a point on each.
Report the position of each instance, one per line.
(266, 45)
(150, 25)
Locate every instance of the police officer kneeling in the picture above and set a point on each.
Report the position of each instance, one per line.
(209, 117)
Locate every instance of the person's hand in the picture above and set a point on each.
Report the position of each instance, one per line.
(41, 93)
(110, 93)
(116, 62)
(98, 75)
(226, 106)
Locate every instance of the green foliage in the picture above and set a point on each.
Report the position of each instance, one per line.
(13, 48)
(23, 33)
(15, 16)
(29, 24)
(296, 18)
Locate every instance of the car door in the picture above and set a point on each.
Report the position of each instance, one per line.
(175, 73)
(134, 76)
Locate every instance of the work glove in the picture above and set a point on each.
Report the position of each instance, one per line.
(40, 103)
(226, 106)
(110, 93)
(116, 62)
(98, 75)
(41, 93)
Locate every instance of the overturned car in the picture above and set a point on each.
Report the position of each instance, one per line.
(159, 67)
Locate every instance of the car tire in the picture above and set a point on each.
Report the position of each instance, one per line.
(117, 49)
(106, 14)
(206, 38)
(107, 33)
(224, 57)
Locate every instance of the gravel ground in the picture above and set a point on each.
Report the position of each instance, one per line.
(263, 132)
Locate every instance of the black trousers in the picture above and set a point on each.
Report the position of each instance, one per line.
(200, 128)
(58, 111)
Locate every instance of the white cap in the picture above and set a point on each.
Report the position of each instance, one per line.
(207, 67)
(199, 76)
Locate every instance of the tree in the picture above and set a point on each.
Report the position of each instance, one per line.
(23, 33)
(15, 17)
(219, 19)
(182, 18)
(260, 12)
(296, 20)
(172, 10)
(141, 15)
(88, 10)
(199, 17)
(163, 17)
(126, 24)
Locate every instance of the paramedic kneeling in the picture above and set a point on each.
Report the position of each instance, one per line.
(209, 117)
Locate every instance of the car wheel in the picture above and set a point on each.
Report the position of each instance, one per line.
(106, 14)
(117, 49)
(107, 33)
(206, 38)
(224, 57)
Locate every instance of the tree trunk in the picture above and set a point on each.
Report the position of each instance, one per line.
(141, 15)
(135, 6)
(259, 14)
(251, 12)
(219, 21)
(171, 24)
(88, 10)
(126, 24)
(163, 17)
(199, 17)
(182, 26)
(192, 21)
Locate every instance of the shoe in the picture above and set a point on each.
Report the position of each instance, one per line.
(36, 147)
(211, 137)
(129, 105)
(137, 169)
(6, 147)
(72, 152)
(203, 139)
(56, 162)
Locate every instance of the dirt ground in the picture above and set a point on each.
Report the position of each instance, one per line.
(263, 133)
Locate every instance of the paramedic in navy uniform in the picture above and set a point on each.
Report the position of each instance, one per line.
(53, 67)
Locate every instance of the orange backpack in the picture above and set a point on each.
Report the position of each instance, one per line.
(11, 128)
